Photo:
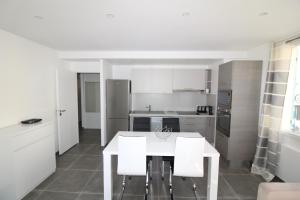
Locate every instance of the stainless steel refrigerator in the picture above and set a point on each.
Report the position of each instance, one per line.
(118, 106)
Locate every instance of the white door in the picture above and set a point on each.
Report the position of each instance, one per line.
(90, 100)
(67, 109)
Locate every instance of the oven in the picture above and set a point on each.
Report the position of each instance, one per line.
(224, 111)
(223, 122)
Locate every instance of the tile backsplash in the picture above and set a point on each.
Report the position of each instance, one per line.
(184, 101)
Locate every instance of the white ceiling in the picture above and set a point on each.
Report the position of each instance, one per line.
(151, 24)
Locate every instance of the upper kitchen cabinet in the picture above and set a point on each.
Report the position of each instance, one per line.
(152, 80)
(189, 79)
(225, 76)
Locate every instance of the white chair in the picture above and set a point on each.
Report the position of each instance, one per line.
(169, 124)
(188, 159)
(132, 159)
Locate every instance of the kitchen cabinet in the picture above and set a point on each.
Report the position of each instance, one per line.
(222, 144)
(189, 79)
(152, 80)
(193, 124)
(225, 76)
(32, 157)
(243, 79)
(210, 130)
(204, 125)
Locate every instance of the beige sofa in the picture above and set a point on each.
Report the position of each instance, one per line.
(279, 191)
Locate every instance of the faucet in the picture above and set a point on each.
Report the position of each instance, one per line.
(149, 108)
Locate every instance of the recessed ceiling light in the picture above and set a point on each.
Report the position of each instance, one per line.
(263, 14)
(110, 16)
(186, 14)
(38, 17)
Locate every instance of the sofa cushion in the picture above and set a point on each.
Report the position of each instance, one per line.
(279, 191)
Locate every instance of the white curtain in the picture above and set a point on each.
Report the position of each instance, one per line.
(268, 147)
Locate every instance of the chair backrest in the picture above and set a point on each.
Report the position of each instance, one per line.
(141, 124)
(189, 153)
(131, 155)
(171, 123)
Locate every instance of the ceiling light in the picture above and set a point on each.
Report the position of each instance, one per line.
(110, 16)
(186, 14)
(263, 14)
(38, 17)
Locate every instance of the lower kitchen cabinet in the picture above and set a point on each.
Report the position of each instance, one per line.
(193, 124)
(222, 144)
(203, 125)
(210, 130)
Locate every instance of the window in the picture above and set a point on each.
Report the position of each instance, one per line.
(295, 113)
(291, 112)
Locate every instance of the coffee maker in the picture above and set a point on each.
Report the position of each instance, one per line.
(201, 109)
(209, 110)
(204, 110)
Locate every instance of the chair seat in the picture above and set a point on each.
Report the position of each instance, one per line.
(149, 158)
(168, 158)
(141, 124)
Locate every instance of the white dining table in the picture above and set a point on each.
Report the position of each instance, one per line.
(156, 146)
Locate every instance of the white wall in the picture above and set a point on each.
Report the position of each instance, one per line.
(85, 66)
(27, 80)
(121, 71)
(261, 53)
(289, 160)
(105, 73)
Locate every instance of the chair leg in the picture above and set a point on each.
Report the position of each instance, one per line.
(147, 185)
(151, 169)
(195, 189)
(123, 186)
(170, 183)
(162, 170)
(123, 183)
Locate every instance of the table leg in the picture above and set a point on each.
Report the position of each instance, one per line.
(107, 177)
(213, 176)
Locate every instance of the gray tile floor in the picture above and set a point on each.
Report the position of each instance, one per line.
(79, 176)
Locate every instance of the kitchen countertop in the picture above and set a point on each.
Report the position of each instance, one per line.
(140, 113)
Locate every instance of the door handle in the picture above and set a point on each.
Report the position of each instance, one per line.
(61, 111)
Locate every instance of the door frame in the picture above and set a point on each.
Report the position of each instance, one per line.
(104, 68)
(88, 67)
